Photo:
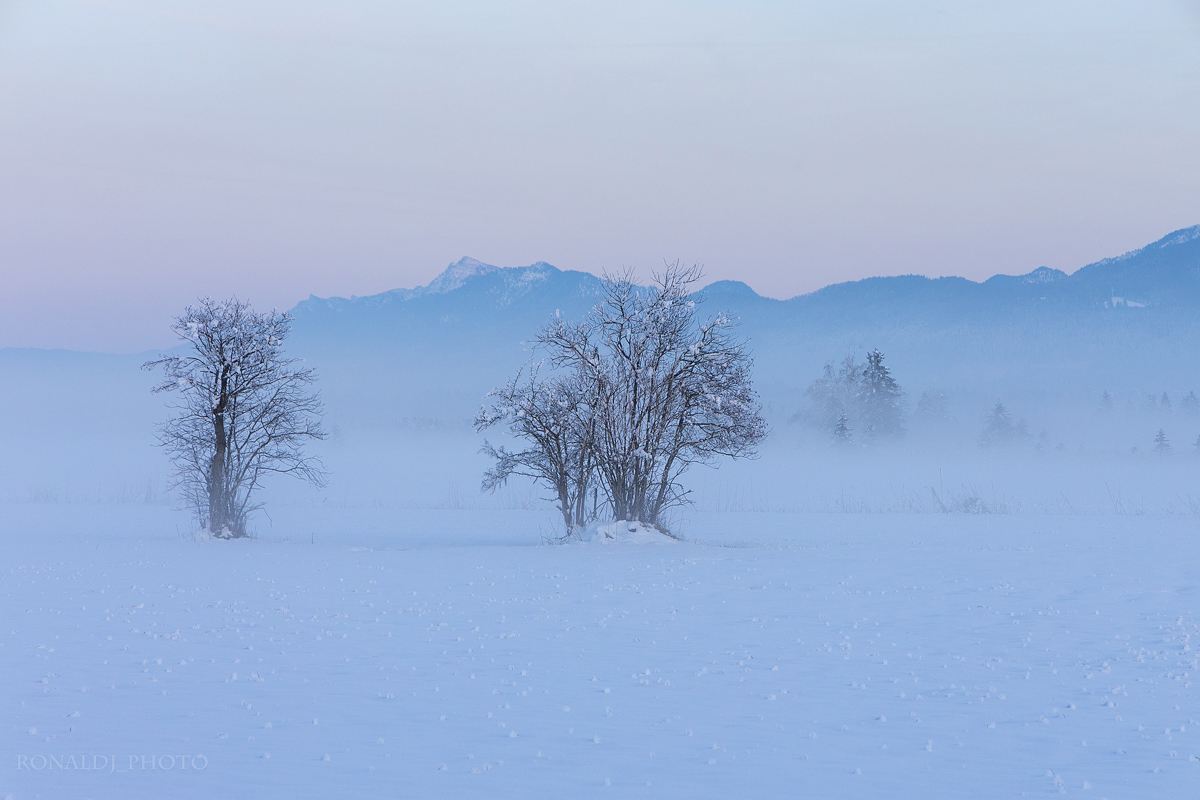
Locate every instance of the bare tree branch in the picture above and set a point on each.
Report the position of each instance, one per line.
(639, 392)
(244, 411)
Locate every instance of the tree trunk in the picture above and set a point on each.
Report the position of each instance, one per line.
(665, 482)
(218, 503)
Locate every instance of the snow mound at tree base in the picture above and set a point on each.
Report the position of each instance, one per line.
(623, 532)
(225, 535)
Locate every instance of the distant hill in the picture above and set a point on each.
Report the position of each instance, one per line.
(1124, 323)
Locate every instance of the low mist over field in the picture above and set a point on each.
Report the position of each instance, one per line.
(1088, 367)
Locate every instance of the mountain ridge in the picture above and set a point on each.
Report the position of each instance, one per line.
(467, 268)
(1119, 322)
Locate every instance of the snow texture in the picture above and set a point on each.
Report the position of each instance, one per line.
(815, 655)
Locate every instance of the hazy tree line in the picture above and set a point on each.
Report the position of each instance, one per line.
(1159, 407)
(860, 404)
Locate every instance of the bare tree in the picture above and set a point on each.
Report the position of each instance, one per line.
(1190, 404)
(833, 395)
(934, 407)
(554, 417)
(651, 390)
(244, 411)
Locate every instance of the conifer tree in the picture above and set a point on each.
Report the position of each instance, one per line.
(880, 399)
(841, 431)
(1161, 445)
(998, 427)
(834, 394)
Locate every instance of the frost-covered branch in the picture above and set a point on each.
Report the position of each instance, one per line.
(244, 410)
(639, 391)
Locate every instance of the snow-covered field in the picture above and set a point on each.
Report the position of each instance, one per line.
(446, 653)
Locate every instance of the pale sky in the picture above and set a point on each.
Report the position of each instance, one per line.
(151, 152)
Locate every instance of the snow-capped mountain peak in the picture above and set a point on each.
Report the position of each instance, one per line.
(1044, 275)
(1182, 236)
(458, 273)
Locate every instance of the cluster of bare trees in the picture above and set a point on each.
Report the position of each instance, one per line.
(244, 411)
(621, 404)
